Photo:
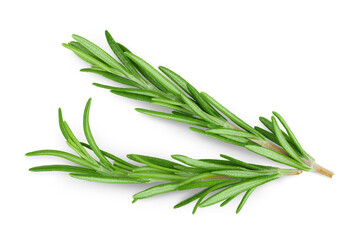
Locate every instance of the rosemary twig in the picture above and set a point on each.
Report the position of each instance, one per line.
(191, 106)
(231, 176)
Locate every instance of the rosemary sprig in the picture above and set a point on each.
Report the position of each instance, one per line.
(191, 106)
(221, 180)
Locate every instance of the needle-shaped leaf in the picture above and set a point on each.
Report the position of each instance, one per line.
(62, 168)
(106, 179)
(183, 119)
(190, 199)
(94, 61)
(282, 140)
(128, 165)
(227, 201)
(156, 175)
(201, 164)
(209, 190)
(197, 177)
(247, 165)
(237, 189)
(170, 106)
(119, 53)
(267, 134)
(292, 136)
(239, 141)
(243, 173)
(65, 155)
(154, 73)
(115, 78)
(148, 169)
(90, 138)
(155, 190)
(101, 54)
(203, 115)
(277, 157)
(83, 49)
(232, 132)
(269, 125)
(182, 83)
(202, 103)
(135, 96)
(152, 162)
(244, 199)
(200, 184)
(230, 115)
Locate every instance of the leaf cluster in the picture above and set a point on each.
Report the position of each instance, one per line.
(218, 180)
(166, 88)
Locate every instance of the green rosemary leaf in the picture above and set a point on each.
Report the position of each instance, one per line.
(90, 138)
(105, 179)
(148, 169)
(203, 115)
(93, 60)
(156, 175)
(74, 143)
(128, 165)
(202, 103)
(145, 73)
(237, 189)
(232, 132)
(132, 96)
(267, 134)
(230, 115)
(201, 164)
(154, 73)
(190, 169)
(222, 162)
(292, 136)
(227, 201)
(237, 139)
(61, 124)
(119, 53)
(123, 48)
(277, 157)
(183, 114)
(115, 78)
(168, 101)
(119, 170)
(65, 155)
(286, 146)
(221, 138)
(197, 177)
(247, 165)
(137, 91)
(83, 49)
(155, 190)
(182, 83)
(244, 199)
(243, 173)
(209, 190)
(101, 54)
(62, 168)
(152, 162)
(200, 184)
(170, 106)
(190, 199)
(183, 119)
(269, 125)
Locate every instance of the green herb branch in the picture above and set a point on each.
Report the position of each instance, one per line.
(219, 180)
(188, 105)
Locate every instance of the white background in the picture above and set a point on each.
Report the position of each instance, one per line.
(300, 58)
